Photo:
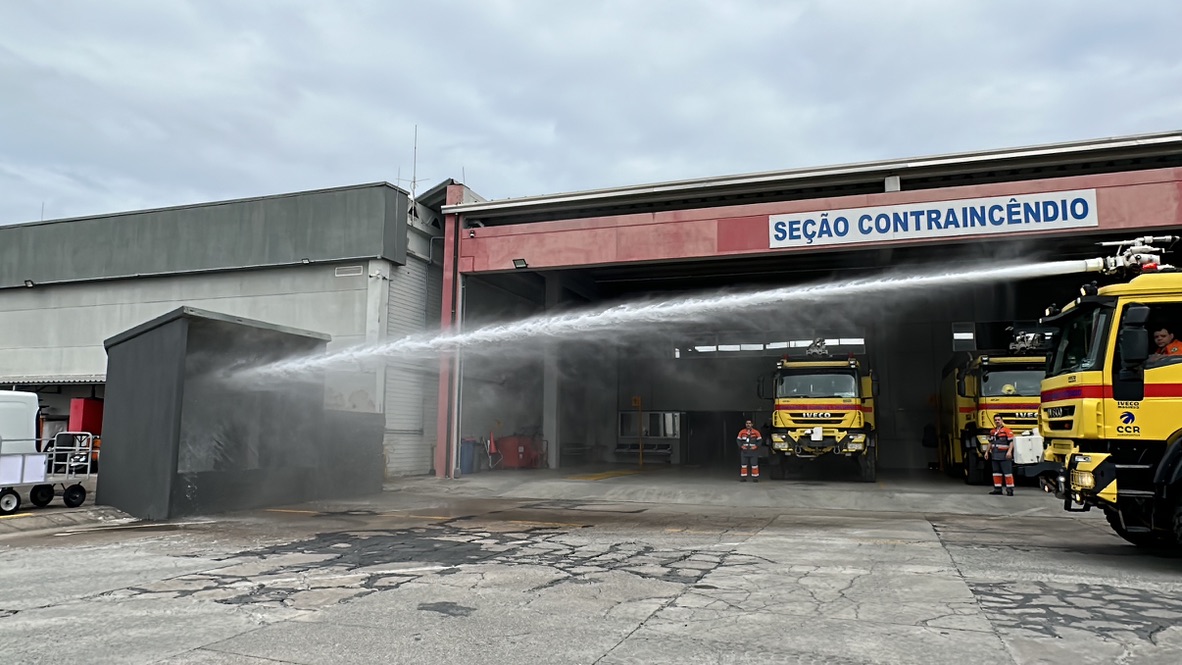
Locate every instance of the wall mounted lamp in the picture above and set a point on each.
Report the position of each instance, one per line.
(520, 263)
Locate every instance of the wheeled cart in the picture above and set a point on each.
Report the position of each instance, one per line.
(45, 469)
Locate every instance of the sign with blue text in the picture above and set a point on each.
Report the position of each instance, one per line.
(959, 218)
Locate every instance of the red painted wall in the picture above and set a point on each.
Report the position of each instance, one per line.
(1132, 200)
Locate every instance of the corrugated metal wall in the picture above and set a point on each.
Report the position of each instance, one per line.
(412, 383)
(341, 224)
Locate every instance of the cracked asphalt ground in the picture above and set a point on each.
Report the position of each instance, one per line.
(424, 575)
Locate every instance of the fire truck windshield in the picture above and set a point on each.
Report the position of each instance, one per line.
(1012, 382)
(811, 383)
(1081, 343)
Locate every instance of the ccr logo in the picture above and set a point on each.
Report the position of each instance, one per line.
(1128, 427)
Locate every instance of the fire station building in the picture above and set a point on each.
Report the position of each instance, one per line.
(370, 263)
(679, 390)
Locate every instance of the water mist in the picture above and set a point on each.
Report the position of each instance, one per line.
(595, 323)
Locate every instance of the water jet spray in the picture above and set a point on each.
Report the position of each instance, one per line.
(1138, 254)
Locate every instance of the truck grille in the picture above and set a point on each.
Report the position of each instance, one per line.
(800, 419)
(1019, 417)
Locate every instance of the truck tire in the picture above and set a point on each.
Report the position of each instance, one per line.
(974, 466)
(1178, 525)
(1138, 538)
(951, 468)
(868, 465)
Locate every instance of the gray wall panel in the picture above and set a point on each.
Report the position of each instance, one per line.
(141, 421)
(367, 221)
(59, 330)
(394, 237)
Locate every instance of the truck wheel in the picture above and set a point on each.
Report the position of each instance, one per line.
(10, 502)
(946, 457)
(868, 465)
(974, 468)
(1178, 525)
(41, 495)
(1138, 538)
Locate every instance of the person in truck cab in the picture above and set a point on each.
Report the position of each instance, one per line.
(1167, 344)
(749, 442)
(1001, 453)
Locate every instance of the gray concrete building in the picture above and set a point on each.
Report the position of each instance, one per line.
(355, 263)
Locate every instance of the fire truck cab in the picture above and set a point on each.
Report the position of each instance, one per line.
(823, 407)
(1114, 399)
(978, 385)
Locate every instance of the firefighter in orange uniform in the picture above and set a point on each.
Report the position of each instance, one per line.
(1001, 452)
(750, 441)
(1167, 344)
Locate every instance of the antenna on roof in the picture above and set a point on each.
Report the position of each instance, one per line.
(414, 176)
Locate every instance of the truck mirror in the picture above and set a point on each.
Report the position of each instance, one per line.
(1135, 316)
(761, 388)
(873, 385)
(1134, 346)
(961, 388)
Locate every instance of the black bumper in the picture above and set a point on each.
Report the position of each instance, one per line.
(1037, 469)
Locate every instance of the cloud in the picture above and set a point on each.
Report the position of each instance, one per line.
(133, 103)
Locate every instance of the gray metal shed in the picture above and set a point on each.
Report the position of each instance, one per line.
(181, 438)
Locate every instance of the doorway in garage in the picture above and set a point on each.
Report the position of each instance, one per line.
(711, 438)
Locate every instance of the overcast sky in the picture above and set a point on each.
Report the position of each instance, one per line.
(125, 104)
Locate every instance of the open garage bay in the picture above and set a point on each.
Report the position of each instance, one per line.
(682, 388)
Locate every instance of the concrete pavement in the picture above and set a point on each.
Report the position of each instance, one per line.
(624, 568)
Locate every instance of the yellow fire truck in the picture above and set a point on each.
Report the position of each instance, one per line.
(824, 407)
(980, 384)
(1115, 402)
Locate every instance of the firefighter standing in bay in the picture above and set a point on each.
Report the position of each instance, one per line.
(1001, 453)
(750, 440)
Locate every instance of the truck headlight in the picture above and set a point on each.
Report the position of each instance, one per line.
(1084, 480)
(777, 438)
(855, 445)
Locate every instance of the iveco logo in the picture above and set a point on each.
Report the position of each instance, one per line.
(1026, 414)
(1127, 417)
(816, 414)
